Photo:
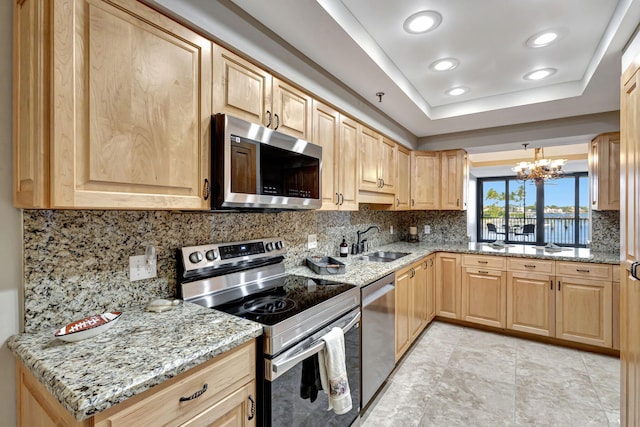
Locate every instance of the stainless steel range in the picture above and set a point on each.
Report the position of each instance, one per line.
(248, 279)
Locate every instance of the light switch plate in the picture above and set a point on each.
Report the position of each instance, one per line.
(139, 269)
(391, 229)
(312, 241)
(427, 229)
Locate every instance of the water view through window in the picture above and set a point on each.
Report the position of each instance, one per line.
(556, 211)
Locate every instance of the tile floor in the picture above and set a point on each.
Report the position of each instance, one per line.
(457, 376)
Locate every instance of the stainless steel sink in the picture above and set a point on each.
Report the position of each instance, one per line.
(382, 256)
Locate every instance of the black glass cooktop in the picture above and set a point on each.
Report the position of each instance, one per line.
(290, 296)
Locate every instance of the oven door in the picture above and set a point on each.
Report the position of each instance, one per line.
(288, 389)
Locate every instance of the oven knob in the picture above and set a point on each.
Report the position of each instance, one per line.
(195, 257)
(279, 244)
(270, 246)
(211, 254)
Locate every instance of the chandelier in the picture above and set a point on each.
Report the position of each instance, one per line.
(540, 169)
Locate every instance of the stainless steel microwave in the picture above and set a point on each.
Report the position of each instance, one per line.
(254, 167)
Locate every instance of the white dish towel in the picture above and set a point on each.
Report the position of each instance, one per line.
(333, 372)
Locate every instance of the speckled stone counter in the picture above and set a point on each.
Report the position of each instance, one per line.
(360, 272)
(141, 350)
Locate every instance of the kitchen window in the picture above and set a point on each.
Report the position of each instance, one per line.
(554, 211)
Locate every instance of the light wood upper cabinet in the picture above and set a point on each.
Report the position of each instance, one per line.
(245, 90)
(377, 167)
(425, 180)
(454, 180)
(337, 135)
(403, 182)
(604, 172)
(241, 88)
(291, 110)
(448, 284)
(123, 107)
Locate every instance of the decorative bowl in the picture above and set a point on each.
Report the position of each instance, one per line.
(87, 327)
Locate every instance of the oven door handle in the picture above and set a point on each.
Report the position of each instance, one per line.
(282, 364)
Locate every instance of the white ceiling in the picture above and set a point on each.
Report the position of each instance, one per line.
(362, 43)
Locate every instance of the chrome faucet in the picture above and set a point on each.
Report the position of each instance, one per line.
(360, 241)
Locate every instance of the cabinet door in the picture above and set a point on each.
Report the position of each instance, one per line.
(292, 110)
(454, 180)
(431, 288)
(403, 284)
(583, 310)
(347, 160)
(604, 171)
(387, 165)
(31, 103)
(237, 409)
(132, 108)
(425, 180)
(418, 296)
(240, 88)
(326, 133)
(403, 180)
(484, 297)
(369, 142)
(531, 303)
(448, 282)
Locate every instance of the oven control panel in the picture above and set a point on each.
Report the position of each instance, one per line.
(217, 254)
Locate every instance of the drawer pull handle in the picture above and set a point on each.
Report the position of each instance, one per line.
(551, 284)
(530, 266)
(483, 272)
(559, 285)
(582, 270)
(252, 413)
(195, 395)
(483, 262)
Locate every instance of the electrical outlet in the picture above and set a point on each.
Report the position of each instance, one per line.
(312, 241)
(391, 229)
(140, 269)
(427, 229)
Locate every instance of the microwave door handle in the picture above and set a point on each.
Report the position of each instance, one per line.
(279, 367)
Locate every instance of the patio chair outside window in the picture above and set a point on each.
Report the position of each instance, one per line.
(527, 230)
(491, 228)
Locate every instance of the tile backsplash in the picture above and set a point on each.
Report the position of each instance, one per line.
(76, 263)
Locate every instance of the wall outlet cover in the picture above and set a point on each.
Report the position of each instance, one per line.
(312, 241)
(427, 229)
(140, 269)
(391, 229)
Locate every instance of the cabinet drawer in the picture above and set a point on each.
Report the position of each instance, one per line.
(483, 271)
(530, 265)
(583, 269)
(162, 405)
(493, 262)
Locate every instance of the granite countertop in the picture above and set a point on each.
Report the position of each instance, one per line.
(141, 350)
(360, 272)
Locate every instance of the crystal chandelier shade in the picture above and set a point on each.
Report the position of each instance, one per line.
(540, 169)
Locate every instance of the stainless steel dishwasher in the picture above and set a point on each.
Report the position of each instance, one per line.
(378, 329)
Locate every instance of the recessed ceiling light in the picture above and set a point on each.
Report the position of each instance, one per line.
(457, 91)
(444, 64)
(540, 74)
(542, 39)
(422, 22)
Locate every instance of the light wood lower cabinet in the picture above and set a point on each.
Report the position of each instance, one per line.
(448, 283)
(484, 296)
(583, 310)
(412, 303)
(431, 287)
(228, 395)
(531, 303)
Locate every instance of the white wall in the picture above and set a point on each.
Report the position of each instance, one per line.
(10, 231)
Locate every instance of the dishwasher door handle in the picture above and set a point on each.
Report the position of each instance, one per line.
(377, 294)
